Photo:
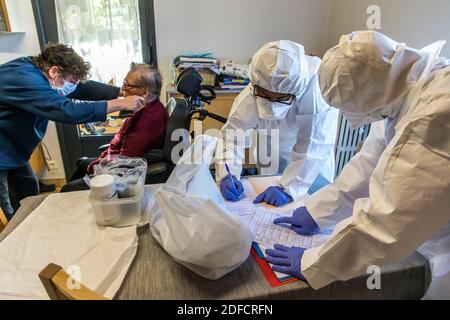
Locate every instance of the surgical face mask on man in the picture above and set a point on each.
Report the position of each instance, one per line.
(59, 84)
(66, 89)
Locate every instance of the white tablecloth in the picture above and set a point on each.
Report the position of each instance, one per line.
(63, 230)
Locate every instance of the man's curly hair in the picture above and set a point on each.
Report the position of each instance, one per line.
(65, 58)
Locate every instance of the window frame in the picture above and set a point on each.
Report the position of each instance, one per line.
(47, 28)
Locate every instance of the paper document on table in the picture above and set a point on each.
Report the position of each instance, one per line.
(244, 208)
(266, 233)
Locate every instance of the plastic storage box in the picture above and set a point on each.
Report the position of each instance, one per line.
(120, 212)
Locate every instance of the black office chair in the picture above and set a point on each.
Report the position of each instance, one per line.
(160, 162)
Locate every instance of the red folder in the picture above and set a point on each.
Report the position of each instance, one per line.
(268, 273)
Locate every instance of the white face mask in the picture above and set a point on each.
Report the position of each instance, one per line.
(272, 110)
(66, 89)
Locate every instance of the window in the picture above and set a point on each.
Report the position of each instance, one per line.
(105, 32)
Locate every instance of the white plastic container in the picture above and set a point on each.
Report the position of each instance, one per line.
(120, 212)
(103, 187)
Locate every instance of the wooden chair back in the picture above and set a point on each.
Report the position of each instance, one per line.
(60, 286)
(3, 220)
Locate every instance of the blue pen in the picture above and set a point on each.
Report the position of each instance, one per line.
(232, 180)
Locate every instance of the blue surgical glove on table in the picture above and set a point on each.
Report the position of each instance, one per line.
(231, 188)
(274, 196)
(301, 222)
(286, 260)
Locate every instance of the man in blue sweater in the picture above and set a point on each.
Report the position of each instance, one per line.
(34, 90)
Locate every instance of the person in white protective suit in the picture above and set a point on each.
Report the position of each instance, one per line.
(283, 95)
(393, 197)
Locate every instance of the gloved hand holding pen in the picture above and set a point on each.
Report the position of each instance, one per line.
(231, 188)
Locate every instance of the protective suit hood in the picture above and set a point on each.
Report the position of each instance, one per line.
(279, 66)
(367, 75)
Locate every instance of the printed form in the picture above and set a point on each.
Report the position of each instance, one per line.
(244, 208)
(259, 219)
(266, 233)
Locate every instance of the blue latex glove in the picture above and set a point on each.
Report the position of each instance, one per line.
(230, 191)
(274, 196)
(301, 222)
(286, 260)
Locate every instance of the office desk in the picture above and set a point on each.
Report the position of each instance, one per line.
(154, 275)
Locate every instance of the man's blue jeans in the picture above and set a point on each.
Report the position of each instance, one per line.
(15, 185)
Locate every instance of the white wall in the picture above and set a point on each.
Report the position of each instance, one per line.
(22, 20)
(415, 22)
(235, 29)
(13, 46)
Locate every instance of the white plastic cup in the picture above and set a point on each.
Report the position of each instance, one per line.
(103, 187)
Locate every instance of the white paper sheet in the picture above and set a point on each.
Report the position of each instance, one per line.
(62, 230)
(244, 208)
(266, 233)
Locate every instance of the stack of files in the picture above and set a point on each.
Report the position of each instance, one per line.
(233, 75)
(233, 83)
(195, 59)
(198, 62)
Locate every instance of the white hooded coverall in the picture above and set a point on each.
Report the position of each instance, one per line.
(307, 127)
(393, 197)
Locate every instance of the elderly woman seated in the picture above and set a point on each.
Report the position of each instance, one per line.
(143, 131)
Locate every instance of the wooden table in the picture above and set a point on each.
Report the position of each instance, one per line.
(154, 275)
